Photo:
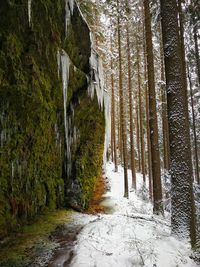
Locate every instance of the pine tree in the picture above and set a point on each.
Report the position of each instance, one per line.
(140, 110)
(183, 210)
(155, 155)
(121, 95)
(132, 148)
(194, 130)
(165, 127)
(147, 120)
(113, 112)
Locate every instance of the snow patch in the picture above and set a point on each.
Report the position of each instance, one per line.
(131, 236)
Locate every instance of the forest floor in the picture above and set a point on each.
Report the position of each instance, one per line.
(33, 245)
(126, 234)
(114, 232)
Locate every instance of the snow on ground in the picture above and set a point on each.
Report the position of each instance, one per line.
(130, 236)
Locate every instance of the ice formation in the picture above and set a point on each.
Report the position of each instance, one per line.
(69, 8)
(12, 170)
(58, 62)
(97, 79)
(29, 11)
(63, 62)
(64, 68)
(97, 85)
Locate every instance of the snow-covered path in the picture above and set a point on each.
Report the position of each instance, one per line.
(130, 236)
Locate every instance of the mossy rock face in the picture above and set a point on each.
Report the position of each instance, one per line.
(87, 153)
(32, 144)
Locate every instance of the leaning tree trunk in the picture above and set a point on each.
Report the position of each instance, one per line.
(121, 96)
(155, 155)
(183, 209)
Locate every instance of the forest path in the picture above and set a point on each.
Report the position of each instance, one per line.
(130, 235)
(65, 235)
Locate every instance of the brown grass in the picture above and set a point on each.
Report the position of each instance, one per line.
(95, 203)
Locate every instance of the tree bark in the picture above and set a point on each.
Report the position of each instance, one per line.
(131, 109)
(121, 95)
(114, 148)
(196, 52)
(140, 112)
(153, 125)
(147, 126)
(138, 135)
(183, 209)
(194, 131)
(165, 126)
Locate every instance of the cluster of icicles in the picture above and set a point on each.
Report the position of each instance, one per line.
(95, 82)
(69, 6)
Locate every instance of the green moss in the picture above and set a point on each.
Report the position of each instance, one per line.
(88, 156)
(31, 106)
(32, 179)
(22, 250)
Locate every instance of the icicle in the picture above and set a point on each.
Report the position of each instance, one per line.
(29, 11)
(97, 79)
(12, 170)
(67, 16)
(71, 4)
(97, 85)
(65, 63)
(69, 143)
(69, 8)
(58, 62)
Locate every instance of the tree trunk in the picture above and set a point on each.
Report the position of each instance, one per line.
(138, 135)
(183, 209)
(140, 112)
(165, 126)
(196, 52)
(147, 117)
(112, 152)
(120, 146)
(153, 125)
(194, 131)
(114, 148)
(182, 47)
(131, 110)
(148, 129)
(121, 96)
